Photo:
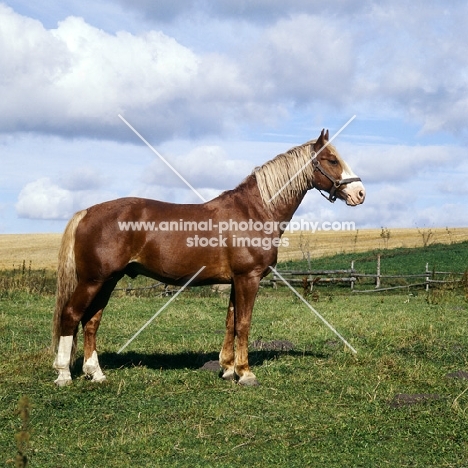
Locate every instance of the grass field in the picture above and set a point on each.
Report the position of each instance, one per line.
(401, 401)
(317, 405)
(41, 250)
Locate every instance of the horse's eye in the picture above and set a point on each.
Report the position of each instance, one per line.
(333, 162)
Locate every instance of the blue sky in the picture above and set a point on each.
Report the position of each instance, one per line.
(221, 87)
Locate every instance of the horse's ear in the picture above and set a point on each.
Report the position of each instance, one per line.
(321, 140)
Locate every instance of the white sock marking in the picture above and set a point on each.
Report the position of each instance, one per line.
(62, 360)
(92, 368)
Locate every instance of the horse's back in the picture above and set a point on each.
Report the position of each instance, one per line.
(146, 237)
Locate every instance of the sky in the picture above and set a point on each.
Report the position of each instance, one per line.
(220, 87)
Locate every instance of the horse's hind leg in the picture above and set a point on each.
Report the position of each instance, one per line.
(226, 356)
(90, 322)
(71, 316)
(62, 360)
(91, 367)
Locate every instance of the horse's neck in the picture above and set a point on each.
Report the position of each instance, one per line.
(282, 211)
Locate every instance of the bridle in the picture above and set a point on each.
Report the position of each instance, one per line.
(336, 183)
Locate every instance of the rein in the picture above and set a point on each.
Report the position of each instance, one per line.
(336, 183)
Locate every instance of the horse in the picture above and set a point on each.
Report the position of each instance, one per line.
(231, 239)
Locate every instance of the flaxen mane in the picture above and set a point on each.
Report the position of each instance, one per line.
(287, 175)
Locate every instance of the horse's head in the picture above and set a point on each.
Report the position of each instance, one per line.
(333, 175)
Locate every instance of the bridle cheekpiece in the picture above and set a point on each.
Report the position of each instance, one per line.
(336, 183)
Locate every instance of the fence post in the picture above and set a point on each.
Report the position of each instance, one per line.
(273, 282)
(377, 278)
(352, 274)
(427, 277)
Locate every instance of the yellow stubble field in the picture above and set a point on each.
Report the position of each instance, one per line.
(40, 250)
(321, 243)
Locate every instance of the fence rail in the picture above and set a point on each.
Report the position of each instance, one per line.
(309, 278)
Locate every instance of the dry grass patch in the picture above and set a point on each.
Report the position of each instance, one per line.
(41, 250)
(324, 243)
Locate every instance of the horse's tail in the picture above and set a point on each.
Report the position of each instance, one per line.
(67, 279)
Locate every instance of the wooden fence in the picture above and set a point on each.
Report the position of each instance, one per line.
(351, 276)
(308, 279)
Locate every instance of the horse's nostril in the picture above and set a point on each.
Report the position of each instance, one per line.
(362, 194)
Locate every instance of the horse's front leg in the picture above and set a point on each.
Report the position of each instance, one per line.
(246, 289)
(91, 367)
(226, 356)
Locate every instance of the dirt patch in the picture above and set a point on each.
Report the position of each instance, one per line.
(212, 366)
(333, 344)
(461, 374)
(275, 345)
(406, 399)
(259, 345)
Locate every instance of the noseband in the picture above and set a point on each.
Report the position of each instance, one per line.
(336, 183)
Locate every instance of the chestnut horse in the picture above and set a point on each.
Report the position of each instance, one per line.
(235, 237)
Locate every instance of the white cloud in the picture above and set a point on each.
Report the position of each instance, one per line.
(303, 58)
(399, 163)
(203, 167)
(75, 79)
(236, 70)
(46, 199)
(42, 199)
(412, 59)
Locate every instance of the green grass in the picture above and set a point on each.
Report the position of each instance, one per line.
(23, 278)
(442, 257)
(318, 405)
(400, 261)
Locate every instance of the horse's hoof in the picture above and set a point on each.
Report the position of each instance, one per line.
(93, 374)
(99, 378)
(62, 382)
(249, 381)
(228, 374)
(64, 378)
